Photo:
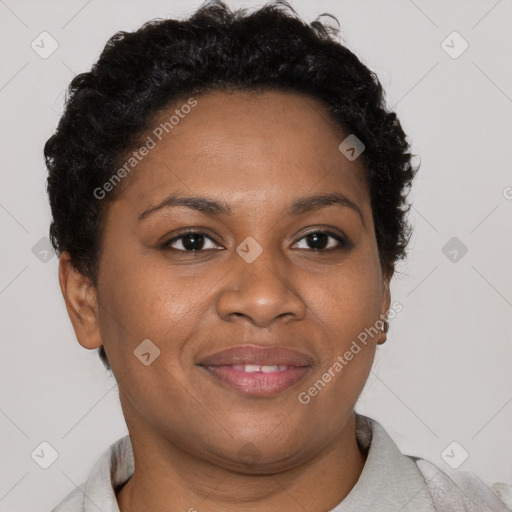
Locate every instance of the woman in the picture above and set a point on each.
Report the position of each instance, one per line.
(229, 202)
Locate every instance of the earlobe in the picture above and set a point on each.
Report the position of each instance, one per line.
(81, 303)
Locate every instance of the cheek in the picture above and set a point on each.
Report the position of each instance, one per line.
(147, 298)
(143, 303)
(348, 305)
(350, 297)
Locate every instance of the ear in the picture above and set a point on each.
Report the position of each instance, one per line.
(81, 303)
(386, 302)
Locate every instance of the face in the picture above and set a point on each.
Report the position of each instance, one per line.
(264, 267)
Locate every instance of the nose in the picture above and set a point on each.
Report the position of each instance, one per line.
(261, 291)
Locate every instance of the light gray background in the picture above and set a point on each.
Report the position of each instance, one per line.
(445, 372)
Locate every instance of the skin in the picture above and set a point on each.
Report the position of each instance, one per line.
(259, 153)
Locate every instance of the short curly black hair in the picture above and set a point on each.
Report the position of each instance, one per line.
(141, 73)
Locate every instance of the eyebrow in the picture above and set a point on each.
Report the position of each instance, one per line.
(213, 207)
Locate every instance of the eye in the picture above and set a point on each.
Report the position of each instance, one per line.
(196, 241)
(320, 241)
(190, 241)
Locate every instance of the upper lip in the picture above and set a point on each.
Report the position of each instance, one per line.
(251, 354)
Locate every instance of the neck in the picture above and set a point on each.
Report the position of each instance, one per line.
(170, 480)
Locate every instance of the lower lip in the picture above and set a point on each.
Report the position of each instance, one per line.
(257, 383)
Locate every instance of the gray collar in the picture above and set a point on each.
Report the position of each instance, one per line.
(390, 481)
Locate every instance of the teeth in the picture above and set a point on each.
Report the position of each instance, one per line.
(252, 368)
(269, 369)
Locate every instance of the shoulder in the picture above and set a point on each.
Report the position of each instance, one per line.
(73, 502)
(114, 467)
(464, 491)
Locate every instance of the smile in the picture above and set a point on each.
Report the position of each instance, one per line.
(256, 380)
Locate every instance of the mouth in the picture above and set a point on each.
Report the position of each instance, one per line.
(257, 371)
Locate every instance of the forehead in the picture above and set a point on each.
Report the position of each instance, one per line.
(246, 148)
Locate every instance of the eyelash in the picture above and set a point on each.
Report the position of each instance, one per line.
(342, 242)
